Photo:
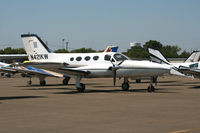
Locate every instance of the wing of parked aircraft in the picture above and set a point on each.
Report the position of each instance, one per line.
(13, 56)
(193, 70)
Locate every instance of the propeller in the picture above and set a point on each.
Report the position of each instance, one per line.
(114, 69)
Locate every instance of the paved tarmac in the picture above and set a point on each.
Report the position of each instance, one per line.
(173, 108)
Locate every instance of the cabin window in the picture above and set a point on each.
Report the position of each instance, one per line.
(72, 59)
(119, 57)
(95, 58)
(79, 58)
(107, 57)
(87, 58)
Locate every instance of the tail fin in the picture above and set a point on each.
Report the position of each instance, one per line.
(111, 49)
(194, 57)
(157, 57)
(35, 47)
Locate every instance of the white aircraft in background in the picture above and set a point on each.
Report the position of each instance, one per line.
(4, 68)
(190, 67)
(89, 65)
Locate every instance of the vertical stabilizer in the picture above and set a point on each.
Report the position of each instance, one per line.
(35, 48)
(194, 57)
(157, 57)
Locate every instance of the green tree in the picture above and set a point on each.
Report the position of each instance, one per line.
(152, 44)
(10, 50)
(137, 52)
(170, 51)
(184, 54)
(61, 51)
(1, 51)
(83, 50)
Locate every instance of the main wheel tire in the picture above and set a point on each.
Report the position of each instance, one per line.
(138, 80)
(66, 81)
(125, 86)
(8, 75)
(151, 88)
(81, 88)
(23, 75)
(42, 82)
(29, 82)
(155, 79)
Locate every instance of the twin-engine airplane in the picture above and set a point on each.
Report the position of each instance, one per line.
(190, 67)
(89, 65)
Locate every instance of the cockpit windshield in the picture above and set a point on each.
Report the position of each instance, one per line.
(120, 57)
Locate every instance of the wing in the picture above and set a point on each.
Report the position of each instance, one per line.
(14, 56)
(189, 71)
(36, 71)
(75, 71)
(7, 70)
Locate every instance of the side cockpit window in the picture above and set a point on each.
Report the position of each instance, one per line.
(107, 57)
(120, 57)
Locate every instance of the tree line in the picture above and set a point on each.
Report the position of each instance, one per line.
(169, 51)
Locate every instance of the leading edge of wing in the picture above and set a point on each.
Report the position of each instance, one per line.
(75, 72)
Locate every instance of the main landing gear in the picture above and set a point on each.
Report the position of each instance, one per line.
(151, 88)
(80, 86)
(66, 80)
(42, 82)
(125, 85)
(29, 82)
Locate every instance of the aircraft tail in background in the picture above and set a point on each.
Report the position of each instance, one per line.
(111, 49)
(194, 57)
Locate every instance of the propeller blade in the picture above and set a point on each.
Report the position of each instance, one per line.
(114, 77)
(120, 62)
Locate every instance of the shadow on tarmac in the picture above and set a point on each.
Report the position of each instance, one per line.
(37, 85)
(19, 97)
(49, 88)
(195, 87)
(115, 91)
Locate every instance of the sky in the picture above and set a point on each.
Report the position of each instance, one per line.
(98, 23)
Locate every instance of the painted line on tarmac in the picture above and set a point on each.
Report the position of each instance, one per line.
(185, 130)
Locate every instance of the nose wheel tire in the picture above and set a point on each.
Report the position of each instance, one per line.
(29, 82)
(81, 88)
(138, 80)
(151, 88)
(42, 82)
(125, 86)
